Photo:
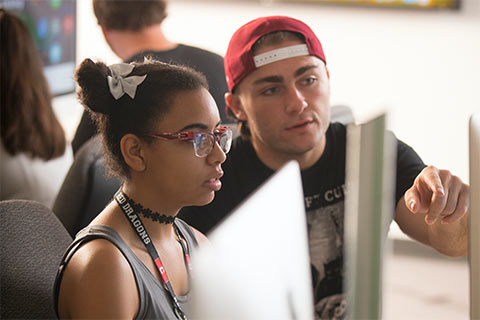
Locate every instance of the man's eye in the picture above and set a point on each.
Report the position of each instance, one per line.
(309, 80)
(270, 91)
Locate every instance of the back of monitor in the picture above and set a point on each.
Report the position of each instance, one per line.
(257, 266)
(371, 154)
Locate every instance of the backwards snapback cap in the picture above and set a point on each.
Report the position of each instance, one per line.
(239, 59)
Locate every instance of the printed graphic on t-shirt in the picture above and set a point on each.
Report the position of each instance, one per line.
(325, 198)
(325, 232)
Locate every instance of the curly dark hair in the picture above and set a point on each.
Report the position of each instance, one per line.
(116, 118)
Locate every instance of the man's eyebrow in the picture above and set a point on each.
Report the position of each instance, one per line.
(269, 79)
(279, 79)
(304, 69)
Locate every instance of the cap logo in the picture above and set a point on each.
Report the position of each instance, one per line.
(280, 54)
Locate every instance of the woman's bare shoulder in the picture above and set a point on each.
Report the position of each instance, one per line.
(98, 282)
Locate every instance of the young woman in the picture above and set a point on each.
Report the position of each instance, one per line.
(162, 136)
(35, 156)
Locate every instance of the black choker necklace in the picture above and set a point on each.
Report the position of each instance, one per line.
(149, 214)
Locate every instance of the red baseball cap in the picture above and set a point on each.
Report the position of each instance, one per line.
(239, 60)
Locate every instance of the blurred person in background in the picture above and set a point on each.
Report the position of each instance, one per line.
(35, 155)
(133, 30)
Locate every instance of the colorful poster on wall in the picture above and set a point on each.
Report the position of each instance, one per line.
(420, 4)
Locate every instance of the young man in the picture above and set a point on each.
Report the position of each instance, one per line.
(279, 91)
(133, 30)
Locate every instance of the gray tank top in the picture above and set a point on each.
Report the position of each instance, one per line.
(155, 302)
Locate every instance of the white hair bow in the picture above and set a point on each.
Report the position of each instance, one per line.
(119, 84)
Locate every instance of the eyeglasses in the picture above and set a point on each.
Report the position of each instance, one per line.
(202, 141)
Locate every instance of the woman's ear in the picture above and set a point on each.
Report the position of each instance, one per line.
(233, 102)
(132, 152)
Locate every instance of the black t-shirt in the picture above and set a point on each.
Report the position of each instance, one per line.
(208, 63)
(323, 187)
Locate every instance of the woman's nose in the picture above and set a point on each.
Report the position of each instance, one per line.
(217, 155)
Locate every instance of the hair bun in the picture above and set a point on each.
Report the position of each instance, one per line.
(92, 80)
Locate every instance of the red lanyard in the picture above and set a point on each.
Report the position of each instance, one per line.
(125, 204)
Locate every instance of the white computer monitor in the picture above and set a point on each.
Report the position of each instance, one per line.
(257, 266)
(474, 254)
(52, 25)
(369, 198)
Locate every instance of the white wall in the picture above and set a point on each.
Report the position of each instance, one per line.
(423, 67)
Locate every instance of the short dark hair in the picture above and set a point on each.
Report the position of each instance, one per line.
(153, 99)
(132, 15)
(266, 40)
(28, 121)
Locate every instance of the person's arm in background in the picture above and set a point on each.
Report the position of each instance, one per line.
(434, 211)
